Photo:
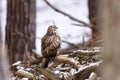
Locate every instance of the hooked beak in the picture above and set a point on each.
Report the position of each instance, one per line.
(56, 27)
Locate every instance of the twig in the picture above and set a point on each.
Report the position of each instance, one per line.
(76, 24)
(83, 41)
(65, 42)
(70, 44)
(66, 14)
(81, 25)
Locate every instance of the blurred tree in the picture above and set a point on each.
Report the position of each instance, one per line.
(3, 59)
(20, 28)
(110, 20)
(93, 10)
(93, 6)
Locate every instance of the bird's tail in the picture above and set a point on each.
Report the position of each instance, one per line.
(45, 62)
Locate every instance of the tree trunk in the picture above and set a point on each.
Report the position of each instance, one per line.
(93, 10)
(110, 21)
(93, 6)
(20, 28)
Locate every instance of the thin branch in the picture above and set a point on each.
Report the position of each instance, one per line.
(77, 24)
(66, 14)
(81, 25)
(75, 46)
(64, 42)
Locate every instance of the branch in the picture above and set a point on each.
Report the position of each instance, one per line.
(85, 71)
(66, 14)
(84, 53)
(26, 74)
(64, 42)
(93, 76)
(70, 44)
(81, 25)
(67, 60)
(46, 73)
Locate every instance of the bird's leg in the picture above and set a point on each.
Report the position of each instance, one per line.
(45, 62)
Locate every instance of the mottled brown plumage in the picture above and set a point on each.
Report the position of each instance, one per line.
(50, 45)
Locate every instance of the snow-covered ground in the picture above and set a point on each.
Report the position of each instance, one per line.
(46, 16)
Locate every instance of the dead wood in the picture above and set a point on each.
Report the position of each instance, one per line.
(84, 53)
(93, 76)
(67, 60)
(83, 73)
(46, 73)
(26, 74)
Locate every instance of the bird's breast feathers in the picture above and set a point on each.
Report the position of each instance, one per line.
(50, 44)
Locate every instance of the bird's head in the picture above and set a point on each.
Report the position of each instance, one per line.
(52, 29)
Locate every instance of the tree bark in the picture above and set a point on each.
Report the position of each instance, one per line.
(20, 28)
(93, 6)
(93, 11)
(110, 20)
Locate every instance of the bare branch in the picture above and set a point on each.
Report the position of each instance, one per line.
(84, 53)
(66, 14)
(67, 60)
(81, 25)
(93, 76)
(26, 74)
(85, 71)
(70, 44)
(75, 46)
